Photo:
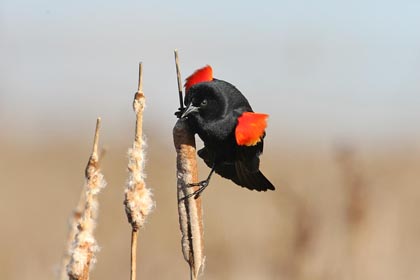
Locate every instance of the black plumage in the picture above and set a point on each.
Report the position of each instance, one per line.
(212, 111)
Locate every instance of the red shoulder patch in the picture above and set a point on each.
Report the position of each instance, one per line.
(204, 74)
(250, 128)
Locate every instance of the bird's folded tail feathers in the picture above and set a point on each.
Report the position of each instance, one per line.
(239, 173)
(251, 180)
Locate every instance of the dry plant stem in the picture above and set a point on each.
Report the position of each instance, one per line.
(178, 76)
(84, 245)
(189, 210)
(133, 271)
(138, 199)
(138, 106)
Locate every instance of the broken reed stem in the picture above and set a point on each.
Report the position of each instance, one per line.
(140, 83)
(85, 246)
(189, 210)
(178, 77)
(138, 199)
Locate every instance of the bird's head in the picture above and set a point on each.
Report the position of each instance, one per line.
(202, 97)
(207, 98)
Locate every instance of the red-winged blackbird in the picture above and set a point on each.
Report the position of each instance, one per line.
(232, 133)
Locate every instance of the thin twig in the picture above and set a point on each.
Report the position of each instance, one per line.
(138, 106)
(178, 76)
(140, 84)
(96, 140)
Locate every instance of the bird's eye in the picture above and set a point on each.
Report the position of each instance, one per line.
(204, 102)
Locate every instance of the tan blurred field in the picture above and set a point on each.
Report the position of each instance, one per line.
(337, 213)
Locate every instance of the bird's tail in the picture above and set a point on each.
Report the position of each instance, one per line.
(251, 180)
(239, 173)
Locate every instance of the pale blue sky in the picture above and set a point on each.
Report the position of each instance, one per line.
(332, 68)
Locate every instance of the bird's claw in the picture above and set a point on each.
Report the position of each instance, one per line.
(196, 194)
(202, 184)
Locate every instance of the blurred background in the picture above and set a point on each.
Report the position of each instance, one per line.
(340, 81)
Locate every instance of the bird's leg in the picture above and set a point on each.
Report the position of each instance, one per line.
(202, 186)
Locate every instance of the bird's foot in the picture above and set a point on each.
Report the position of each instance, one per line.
(202, 185)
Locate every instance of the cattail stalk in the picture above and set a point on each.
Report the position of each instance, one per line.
(138, 199)
(189, 210)
(85, 246)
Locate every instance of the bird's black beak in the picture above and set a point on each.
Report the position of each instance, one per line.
(190, 109)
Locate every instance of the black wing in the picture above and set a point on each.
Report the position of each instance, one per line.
(244, 170)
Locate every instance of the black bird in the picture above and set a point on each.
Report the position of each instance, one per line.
(232, 133)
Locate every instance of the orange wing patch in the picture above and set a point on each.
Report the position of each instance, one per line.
(250, 128)
(204, 74)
